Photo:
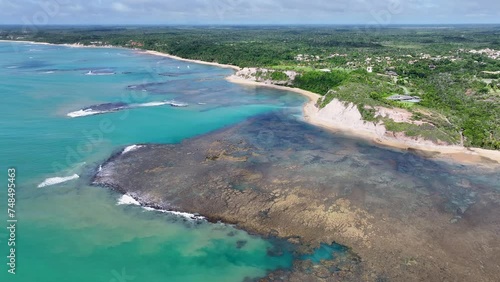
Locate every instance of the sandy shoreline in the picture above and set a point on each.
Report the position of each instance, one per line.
(156, 53)
(311, 115)
(455, 153)
(313, 97)
(27, 42)
(74, 45)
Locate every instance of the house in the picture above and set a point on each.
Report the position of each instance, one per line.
(405, 98)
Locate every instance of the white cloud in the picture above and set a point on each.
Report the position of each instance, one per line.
(120, 7)
(253, 11)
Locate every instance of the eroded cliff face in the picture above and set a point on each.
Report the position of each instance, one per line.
(406, 218)
(344, 116)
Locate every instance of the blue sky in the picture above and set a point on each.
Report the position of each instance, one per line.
(381, 12)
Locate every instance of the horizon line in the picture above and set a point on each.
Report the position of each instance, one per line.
(258, 24)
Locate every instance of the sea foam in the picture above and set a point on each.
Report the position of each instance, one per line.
(127, 200)
(162, 103)
(177, 104)
(131, 148)
(185, 215)
(83, 113)
(57, 180)
(153, 104)
(90, 111)
(99, 73)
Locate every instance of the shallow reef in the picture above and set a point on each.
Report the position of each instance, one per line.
(400, 216)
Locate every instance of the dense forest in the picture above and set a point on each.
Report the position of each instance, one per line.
(454, 70)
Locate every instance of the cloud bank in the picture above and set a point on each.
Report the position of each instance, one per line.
(249, 11)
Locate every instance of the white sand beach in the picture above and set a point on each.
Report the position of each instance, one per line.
(192, 61)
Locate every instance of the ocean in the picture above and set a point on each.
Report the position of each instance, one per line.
(67, 110)
(70, 231)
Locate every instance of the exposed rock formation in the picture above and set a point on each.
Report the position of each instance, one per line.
(408, 218)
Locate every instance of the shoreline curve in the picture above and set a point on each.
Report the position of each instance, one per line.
(459, 154)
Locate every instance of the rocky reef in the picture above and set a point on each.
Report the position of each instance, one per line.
(402, 216)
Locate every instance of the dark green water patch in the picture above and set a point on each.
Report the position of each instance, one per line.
(325, 252)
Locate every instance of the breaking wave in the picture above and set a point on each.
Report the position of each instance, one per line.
(57, 180)
(129, 200)
(185, 215)
(91, 72)
(98, 109)
(114, 107)
(131, 148)
(83, 113)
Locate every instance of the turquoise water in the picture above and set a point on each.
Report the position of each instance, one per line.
(74, 232)
(324, 252)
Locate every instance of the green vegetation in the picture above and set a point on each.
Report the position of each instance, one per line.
(454, 70)
(364, 88)
(279, 76)
(426, 131)
(320, 82)
(368, 113)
